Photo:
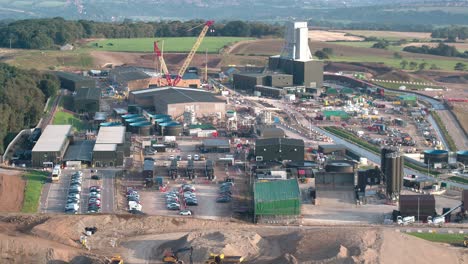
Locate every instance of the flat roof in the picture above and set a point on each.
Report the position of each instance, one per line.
(214, 142)
(111, 135)
(105, 147)
(88, 94)
(53, 138)
(72, 76)
(80, 150)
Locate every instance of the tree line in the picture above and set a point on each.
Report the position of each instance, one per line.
(51, 33)
(22, 99)
(451, 33)
(441, 50)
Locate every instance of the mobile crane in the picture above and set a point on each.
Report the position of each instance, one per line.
(187, 61)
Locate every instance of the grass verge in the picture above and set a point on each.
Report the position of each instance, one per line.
(451, 144)
(65, 118)
(454, 239)
(459, 179)
(372, 148)
(32, 192)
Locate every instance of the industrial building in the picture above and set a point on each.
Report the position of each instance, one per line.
(52, 145)
(332, 149)
(79, 152)
(419, 206)
(337, 173)
(111, 147)
(74, 82)
(86, 100)
(277, 198)
(215, 145)
(174, 101)
(129, 78)
(293, 67)
(271, 149)
(267, 131)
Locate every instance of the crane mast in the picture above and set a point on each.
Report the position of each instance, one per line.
(158, 53)
(189, 58)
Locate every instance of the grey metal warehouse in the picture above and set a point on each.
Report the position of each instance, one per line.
(52, 145)
(270, 149)
(175, 101)
(87, 100)
(73, 82)
(110, 148)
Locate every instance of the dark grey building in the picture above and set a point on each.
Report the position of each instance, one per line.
(305, 73)
(73, 82)
(270, 132)
(215, 145)
(271, 149)
(87, 100)
(248, 81)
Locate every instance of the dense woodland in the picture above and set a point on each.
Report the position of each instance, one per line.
(51, 33)
(22, 99)
(441, 50)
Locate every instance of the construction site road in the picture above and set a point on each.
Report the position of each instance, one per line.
(454, 129)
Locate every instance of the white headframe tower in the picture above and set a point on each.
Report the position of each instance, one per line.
(297, 42)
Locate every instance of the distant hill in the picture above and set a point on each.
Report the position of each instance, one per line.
(441, 12)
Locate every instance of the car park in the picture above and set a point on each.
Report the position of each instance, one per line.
(185, 212)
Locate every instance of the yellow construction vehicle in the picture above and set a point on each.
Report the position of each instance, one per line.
(222, 259)
(465, 241)
(170, 257)
(116, 260)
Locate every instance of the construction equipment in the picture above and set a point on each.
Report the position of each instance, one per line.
(116, 260)
(405, 220)
(190, 56)
(222, 259)
(171, 256)
(439, 220)
(158, 53)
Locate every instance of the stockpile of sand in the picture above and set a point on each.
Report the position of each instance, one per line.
(11, 192)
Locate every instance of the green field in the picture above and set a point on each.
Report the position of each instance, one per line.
(64, 118)
(358, 44)
(51, 59)
(459, 179)
(454, 239)
(184, 44)
(32, 192)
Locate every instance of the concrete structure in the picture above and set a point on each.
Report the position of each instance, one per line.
(111, 147)
(73, 82)
(87, 100)
(52, 145)
(296, 58)
(271, 149)
(175, 101)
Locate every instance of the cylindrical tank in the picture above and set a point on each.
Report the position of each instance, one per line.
(435, 156)
(383, 154)
(171, 129)
(160, 121)
(141, 128)
(128, 116)
(462, 156)
(339, 166)
(394, 172)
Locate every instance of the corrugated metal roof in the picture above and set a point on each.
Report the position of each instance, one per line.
(53, 138)
(126, 74)
(111, 135)
(88, 94)
(72, 76)
(105, 147)
(276, 190)
(280, 141)
(174, 95)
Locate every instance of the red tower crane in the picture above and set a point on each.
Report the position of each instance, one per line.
(158, 53)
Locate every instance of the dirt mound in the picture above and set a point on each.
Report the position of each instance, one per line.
(454, 79)
(11, 192)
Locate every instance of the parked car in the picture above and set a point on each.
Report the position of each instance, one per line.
(189, 195)
(73, 191)
(173, 206)
(196, 157)
(96, 204)
(75, 188)
(185, 212)
(223, 199)
(191, 202)
(171, 157)
(95, 188)
(95, 177)
(172, 199)
(95, 194)
(71, 211)
(94, 199)
(227, 184)
(189, 157)
(72, 206)
(73, 195)
(73, 200)
(170, 195)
